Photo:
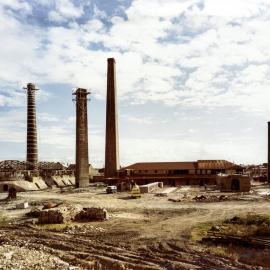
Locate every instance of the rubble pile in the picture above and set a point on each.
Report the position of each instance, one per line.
(212, 198)
(14, 257)
(69, 213)
(59, 215)
(201, 198)
(82, 229)
(34, 213)
(92, 214)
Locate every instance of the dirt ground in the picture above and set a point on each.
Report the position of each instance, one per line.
(152, 232)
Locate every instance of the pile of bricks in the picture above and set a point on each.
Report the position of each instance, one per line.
(59, 215)
(92, 214)
(65, 214)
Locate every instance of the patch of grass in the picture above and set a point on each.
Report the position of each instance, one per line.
(244, 226)
(249, 225)
(223, 251)
(250, 219)
(200, 231)
(240, 226)
(240, 230)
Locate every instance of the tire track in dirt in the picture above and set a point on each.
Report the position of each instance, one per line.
(82, 250)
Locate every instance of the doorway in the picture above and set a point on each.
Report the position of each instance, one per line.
(235, 184)
(5, 188)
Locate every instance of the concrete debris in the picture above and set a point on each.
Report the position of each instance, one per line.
(215, 228)
(34, 213)
(212, 198)
(50, 205)
(92, 214)
(82, 229)
(161, 195)
(69, 213)
(151, 187)
(200, 198)
(24, 205)
(14, 257)
(174, 200)
(59, 215)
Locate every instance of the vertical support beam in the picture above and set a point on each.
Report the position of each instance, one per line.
(111, 145)
(32, 146)
(82, 159)
(268, 153)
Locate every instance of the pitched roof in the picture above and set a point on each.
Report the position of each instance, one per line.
(217, 165)
(191, 165)
(49, 165)
(163, 166)
(12, 165)
(16, 165)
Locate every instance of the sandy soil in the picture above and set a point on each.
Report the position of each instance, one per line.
(147, 233)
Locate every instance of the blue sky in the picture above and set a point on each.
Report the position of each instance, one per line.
(193, 77)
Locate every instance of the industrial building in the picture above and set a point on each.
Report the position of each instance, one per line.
(199, 172)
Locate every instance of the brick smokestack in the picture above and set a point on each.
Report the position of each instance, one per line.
(32, 146)
(268, 162)
(82, 160)
(111, 145)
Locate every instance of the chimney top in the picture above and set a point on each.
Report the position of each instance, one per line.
(111, 60)
(31, 86)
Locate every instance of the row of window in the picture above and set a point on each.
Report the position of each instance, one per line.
(177, 172)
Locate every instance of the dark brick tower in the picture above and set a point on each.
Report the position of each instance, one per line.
(82, 160)
(111, 145)
(32, 146)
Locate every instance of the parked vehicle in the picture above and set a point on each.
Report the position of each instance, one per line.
(111, 189)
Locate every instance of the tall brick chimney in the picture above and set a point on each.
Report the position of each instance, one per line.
(32, 146)
(82, 160)
(111, 145)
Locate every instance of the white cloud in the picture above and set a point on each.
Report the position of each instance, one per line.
(231, 8)
(17, 5)
(64, 10)
(190, 54)
(192, 73)
(138, 120)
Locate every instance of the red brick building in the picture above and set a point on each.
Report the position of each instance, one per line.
(179, 173)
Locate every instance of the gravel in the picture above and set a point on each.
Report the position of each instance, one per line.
(21, 258)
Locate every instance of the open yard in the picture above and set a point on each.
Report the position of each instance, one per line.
(153, 232)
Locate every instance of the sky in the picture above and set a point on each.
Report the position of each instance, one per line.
(193, 77)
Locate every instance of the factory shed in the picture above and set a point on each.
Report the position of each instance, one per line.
(199, 172)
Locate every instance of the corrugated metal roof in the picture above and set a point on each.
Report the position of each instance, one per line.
(12, 165)
(48, 165)
(163, 166)
(16, 165)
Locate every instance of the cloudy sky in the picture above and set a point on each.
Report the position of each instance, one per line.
(193, 77)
